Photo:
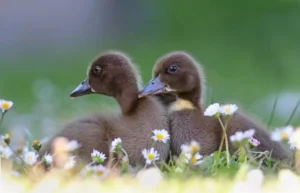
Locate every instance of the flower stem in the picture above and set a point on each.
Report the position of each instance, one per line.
(125, 154)
(153, 144)
(156, 166)
(226, 140)
(145, 166)
(221, 144)
(2, 117)
(166, 166)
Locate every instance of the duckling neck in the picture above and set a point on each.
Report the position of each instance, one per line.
(193, 97)
(127, 100)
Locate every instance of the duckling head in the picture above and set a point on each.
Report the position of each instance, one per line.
(176, 72)
(108, 74)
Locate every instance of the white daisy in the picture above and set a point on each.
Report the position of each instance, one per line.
(228, 109)
(6, 152)
(212, 110)
(161, 135)
(72, 145)
(192, 148)
(98, 157)
(99, 172)
(194, 160)
(47, 159)
(150, 155)
(239, 136)
(30, 158)
(283, 133)
(116, 145)
(5, 105)
(294, 140)
(70, 163)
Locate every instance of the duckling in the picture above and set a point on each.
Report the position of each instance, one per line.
(113, 74)
(178, 72)
(89, 132)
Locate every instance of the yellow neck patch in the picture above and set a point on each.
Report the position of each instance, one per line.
(180, 105)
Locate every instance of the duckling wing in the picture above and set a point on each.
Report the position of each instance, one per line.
(242, 122)
(90, 132)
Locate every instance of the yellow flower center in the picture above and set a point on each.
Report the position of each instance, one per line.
(284, 135)
(194, 149)
(5, 106)
(160, 136)
(99, 173)
(150, 156)
(193, 160)
(29, 159)
(227, 110)
(36, 142)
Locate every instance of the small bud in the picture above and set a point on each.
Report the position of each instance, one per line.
(19, 150)
(7, 138)
(36, 145)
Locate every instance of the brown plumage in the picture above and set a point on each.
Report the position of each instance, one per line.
(114, 75)
(179, 73)
(187, 121)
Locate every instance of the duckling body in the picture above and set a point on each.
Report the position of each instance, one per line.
(179, 73)
(188, 123)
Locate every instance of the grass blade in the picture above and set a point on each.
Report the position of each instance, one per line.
(273, 111)
(293, 113)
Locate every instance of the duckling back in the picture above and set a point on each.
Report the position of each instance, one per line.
(90, 133)
(136, 129)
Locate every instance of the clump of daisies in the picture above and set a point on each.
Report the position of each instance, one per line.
(119, 155)
(244, 141)
(151, 155)
(189, 157)
(226, 111)
(96, 171)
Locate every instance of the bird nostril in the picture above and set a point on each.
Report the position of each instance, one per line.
(152, 83)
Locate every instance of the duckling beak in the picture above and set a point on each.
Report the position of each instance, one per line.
(154, 86)
(82, 89)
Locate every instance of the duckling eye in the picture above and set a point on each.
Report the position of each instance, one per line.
(96, 69)
(172, 68)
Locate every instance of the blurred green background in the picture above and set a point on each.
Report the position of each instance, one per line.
(249, 51)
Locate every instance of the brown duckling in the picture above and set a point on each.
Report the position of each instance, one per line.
(114, 75)
(179, 73)
(176, 73)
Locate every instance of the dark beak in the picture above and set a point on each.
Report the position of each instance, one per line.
(82, 89)
(154, 86)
